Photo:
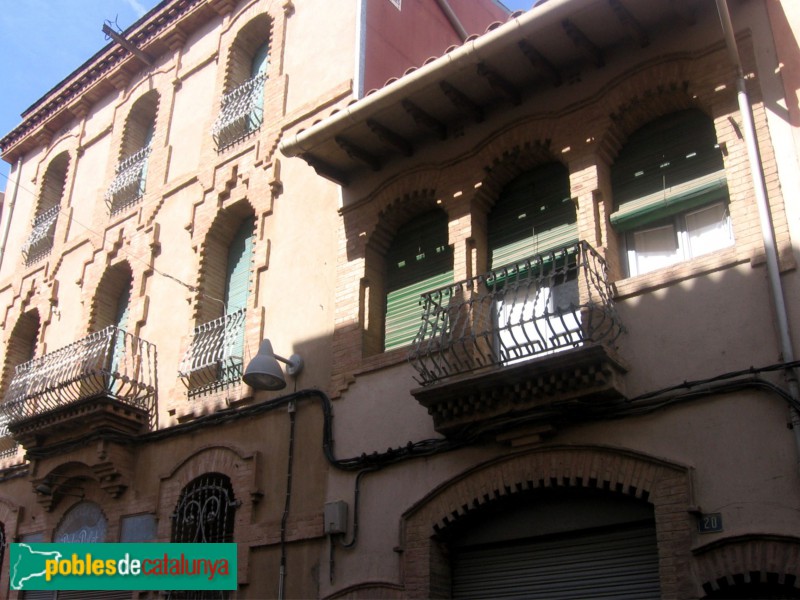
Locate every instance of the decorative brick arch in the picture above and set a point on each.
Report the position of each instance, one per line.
(214, 255)
(242, 470)
(749, 558)
(664, 485)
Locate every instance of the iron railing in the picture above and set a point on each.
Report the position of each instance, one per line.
(241, 112)
(108, 363)
(8, 445)
(214, 356)
(530, 308)
(128, 185)
(40, 241)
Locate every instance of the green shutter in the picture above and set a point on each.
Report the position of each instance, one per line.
(148, 138)
(419, 260)
(533, 215)
(670, 165)
(259, 67)
(121, 322)
(237, 283)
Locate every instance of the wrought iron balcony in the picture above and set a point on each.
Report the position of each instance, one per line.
(241, 112)
(478, 336)
(513, 313)
(128, 185)
(109, 371)
(214, 357)
(40, 241)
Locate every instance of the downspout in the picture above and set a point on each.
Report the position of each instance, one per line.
(453, 19)
(767, 232)
(7, 227)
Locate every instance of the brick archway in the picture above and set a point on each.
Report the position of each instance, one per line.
(665, 485)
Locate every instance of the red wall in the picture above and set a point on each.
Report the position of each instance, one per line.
(399, 39)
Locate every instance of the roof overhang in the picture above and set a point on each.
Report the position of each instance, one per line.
(533, 51)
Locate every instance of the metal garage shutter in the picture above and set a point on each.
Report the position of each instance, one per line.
(607, 564)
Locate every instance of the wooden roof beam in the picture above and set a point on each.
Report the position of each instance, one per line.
(539, 62)
(461, 101)
(358, 153)
(583, 43)
(423, 119)
(500, 84)
(629, 22)
(390, 138)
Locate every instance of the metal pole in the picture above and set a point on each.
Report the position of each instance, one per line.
(767, 233)
(7, 226)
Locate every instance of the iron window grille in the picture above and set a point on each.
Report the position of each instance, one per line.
(214, 356)
(241, 112)
(128, 185)
(40, 241)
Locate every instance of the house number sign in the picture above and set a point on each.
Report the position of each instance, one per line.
(709, 523)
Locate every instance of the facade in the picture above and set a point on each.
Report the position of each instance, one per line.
(151, 238)
(539, 268)
(567, 278)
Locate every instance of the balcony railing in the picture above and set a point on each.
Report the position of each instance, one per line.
(40, 241)
(241, 112)
(128, 185)
(527, 309)
(106, 364)
(214, 356)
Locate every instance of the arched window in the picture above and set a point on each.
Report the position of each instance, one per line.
(533, 215)
(216, 352)
(670, 192)
(84, 523)
(40, 241)
(532, 236)
(130, 176)
(110, 312)
(21, 349)
(242, 107)
(205, 511)
(418, 261)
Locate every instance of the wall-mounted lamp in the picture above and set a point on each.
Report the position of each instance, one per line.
(49, 487)
(264, 372)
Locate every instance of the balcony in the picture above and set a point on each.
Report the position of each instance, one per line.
(40, 241)
(129, 179)
(241, 112)
(105, 382)
(214, 358)
(513, 342)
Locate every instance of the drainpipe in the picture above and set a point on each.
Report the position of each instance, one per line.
(10, 213)
(767, 232)
(453, 19)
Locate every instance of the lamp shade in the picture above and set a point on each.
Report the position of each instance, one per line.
(264, 372)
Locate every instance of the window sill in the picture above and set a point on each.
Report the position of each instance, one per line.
(376, 362)
(695, 267)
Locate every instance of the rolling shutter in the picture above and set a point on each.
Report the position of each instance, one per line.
(419, 260)
(533, 215)
(670, 165)
(621, 563)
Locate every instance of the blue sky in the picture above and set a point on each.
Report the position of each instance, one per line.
(43, 41)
